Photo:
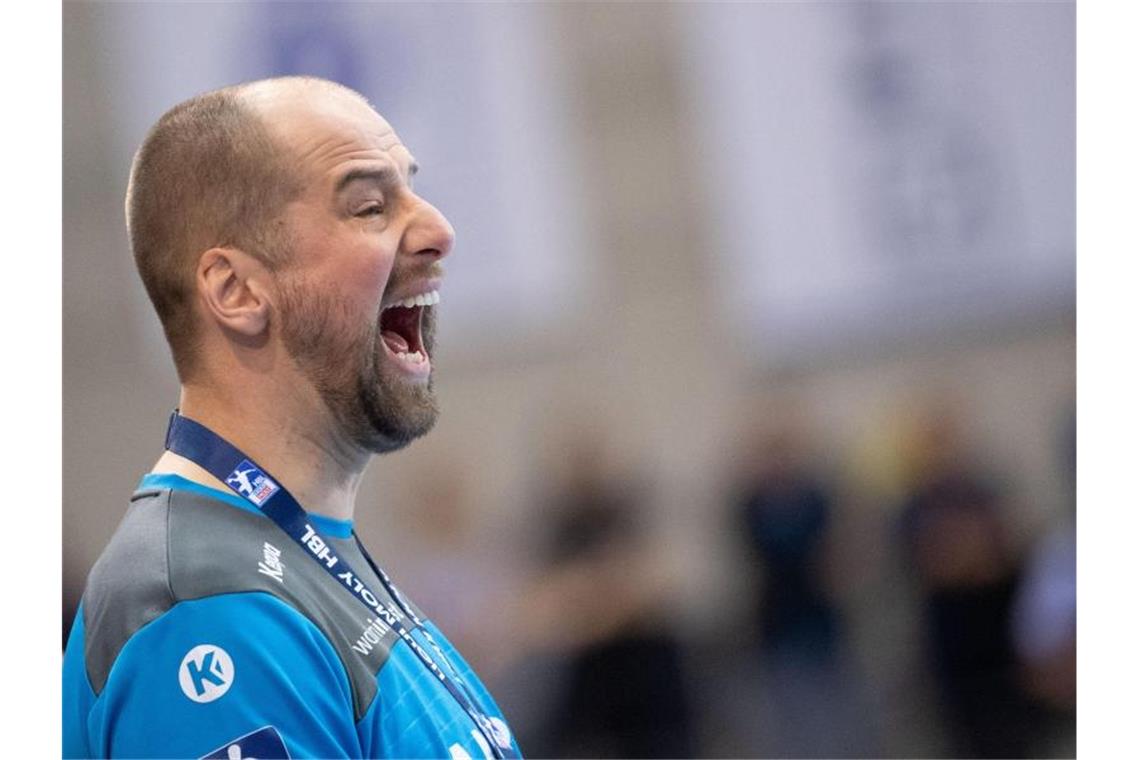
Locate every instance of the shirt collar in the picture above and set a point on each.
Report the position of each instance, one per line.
(327, 525)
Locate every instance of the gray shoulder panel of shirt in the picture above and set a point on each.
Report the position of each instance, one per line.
(175, 546)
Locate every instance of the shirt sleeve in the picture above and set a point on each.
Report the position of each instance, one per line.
(241, 669)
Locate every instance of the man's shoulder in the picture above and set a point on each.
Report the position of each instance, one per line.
(176, 546)
(170, 546)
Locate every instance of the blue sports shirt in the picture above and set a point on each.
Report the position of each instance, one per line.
(204, 631)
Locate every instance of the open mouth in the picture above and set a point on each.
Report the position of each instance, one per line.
(400, 331)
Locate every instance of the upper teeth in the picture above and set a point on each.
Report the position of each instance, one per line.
(423, 299)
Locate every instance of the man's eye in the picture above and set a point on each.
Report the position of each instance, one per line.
(372, 209)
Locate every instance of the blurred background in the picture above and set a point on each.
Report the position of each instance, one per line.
(756, 357)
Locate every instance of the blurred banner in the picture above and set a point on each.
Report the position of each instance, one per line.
(483, 121)
(885, 172)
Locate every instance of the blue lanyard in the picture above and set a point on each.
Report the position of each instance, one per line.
(220, 458)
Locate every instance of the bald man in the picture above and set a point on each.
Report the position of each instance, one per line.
(235, 613)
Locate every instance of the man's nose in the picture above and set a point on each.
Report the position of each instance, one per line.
(429, 233)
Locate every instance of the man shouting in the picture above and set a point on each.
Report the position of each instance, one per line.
(235, 613)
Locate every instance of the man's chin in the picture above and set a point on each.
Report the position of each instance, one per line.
(384, 442)
(396, 416)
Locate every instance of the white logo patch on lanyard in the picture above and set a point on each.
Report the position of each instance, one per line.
(500, 733)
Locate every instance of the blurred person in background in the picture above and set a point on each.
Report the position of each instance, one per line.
(785, 511)
(294, 271)
(600, 606)
(962, 556)
(456, 566)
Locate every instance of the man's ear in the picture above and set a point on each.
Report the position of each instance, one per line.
(234, 288)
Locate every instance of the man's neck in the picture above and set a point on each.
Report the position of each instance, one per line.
(298, 445)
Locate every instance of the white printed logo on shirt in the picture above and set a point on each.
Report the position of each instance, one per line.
(457, 751)
(206, 673)
(271, 563)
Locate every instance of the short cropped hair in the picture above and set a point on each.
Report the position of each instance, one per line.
(208, 174)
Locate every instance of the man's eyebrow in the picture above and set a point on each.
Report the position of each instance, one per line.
(386, 175)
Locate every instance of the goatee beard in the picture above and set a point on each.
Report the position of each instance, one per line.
(396, 411)
(375, 406)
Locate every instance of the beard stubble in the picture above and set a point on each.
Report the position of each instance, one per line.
(341, 355)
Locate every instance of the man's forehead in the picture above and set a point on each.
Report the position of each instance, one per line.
(325, 128)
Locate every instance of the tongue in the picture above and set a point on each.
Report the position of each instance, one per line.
(395, 341)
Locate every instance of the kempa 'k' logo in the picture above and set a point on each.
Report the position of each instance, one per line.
(206, 673)
(252, 483)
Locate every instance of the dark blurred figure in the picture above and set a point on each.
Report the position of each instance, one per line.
(966, 567)
(624, 693)
(809, 693)
(1045, 621)
(786, 511)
